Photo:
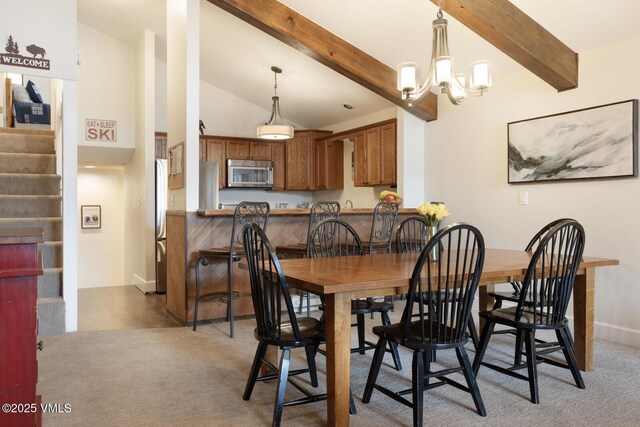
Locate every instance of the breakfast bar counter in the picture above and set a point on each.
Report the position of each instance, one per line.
(303, 212)
(189, 232)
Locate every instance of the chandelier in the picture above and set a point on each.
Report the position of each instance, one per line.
(275, 128)
(441, 77)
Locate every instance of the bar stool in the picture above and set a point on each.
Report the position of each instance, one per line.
(319, 211)
(246, 212)
(382, 226)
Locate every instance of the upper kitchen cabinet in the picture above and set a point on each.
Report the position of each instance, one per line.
(216, 153)
(203, 147)
(300, 155)
(375, 155)
(242, 149)
(237, 149)
(329, 164)
(260, 150)
(279, 164)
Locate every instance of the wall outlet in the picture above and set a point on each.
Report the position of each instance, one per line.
(524, 198)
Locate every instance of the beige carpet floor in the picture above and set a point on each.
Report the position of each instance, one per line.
(177, 377)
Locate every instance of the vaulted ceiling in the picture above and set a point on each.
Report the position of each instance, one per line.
(236, 56)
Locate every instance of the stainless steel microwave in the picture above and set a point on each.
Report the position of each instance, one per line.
(250, 173)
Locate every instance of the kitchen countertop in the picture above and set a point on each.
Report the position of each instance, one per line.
(299, 212)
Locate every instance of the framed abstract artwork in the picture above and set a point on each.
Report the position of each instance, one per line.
(596, 142)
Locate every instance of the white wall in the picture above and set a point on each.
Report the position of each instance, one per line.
(139, 173)
(101, 250)
(183, 75)
(466, 163)
(106, 91)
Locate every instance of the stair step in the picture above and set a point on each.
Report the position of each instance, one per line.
(16, 131)
(51, 254)
(50, 283)
(12, 142)
(12, 206)
(29, 184)
(52, 226)
(27, 163)
(51, 316)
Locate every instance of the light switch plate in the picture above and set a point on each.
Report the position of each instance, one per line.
(524, 198)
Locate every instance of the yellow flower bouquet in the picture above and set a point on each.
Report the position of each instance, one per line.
(433, 213)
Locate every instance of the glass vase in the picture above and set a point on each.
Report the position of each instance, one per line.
(434, 253)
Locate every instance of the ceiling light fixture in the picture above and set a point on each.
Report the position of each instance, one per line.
(441, 77)
(275, 128)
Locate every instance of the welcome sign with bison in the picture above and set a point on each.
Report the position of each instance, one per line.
(34, 59)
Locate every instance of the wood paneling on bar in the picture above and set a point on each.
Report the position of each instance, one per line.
(176, 263)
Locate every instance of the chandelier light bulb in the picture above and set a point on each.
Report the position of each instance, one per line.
(408, 77)
(479, 76)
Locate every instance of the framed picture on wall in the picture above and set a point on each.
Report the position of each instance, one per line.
(596, 142)
(91, 216)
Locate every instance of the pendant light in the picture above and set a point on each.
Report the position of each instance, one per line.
(275, 128)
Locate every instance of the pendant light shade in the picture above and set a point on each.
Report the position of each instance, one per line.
(275, 128)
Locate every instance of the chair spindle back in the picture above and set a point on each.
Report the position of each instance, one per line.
(446, 287)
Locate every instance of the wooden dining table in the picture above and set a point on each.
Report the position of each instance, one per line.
(339, 280)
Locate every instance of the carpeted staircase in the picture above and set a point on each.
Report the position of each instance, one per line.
(30, 197)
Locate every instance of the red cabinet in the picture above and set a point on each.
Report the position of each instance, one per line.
(20, 266)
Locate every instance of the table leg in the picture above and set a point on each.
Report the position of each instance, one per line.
(338, 324)
(485, 301)
(583, 299)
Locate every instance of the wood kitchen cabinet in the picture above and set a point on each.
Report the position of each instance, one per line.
(239, 149)
(216, 149)
(375, 155)
(300, 154)
(279, 164)
(329, 164)
(259, 150)
(20, 266)
(360, 159)
(203, 148)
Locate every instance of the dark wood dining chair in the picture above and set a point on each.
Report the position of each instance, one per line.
(319, 211)
(544, 298)
(452, 283)
(245, 212)
(410, 237)
(383, 223)
(514, 296)
(335, 238)
(277, 323)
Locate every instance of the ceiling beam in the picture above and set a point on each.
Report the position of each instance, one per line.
(290, 27)
(517, 35)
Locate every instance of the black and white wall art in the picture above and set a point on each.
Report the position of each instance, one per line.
(596, 142)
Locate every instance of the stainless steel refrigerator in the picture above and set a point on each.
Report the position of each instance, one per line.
(161, 225)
